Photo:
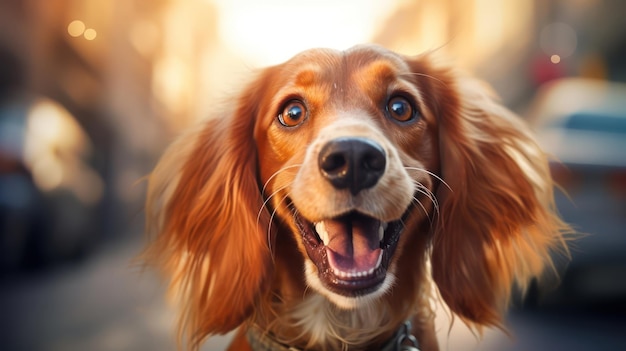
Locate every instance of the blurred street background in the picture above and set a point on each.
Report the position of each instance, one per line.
(91, 92)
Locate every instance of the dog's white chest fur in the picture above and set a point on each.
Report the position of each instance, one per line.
(326, 324)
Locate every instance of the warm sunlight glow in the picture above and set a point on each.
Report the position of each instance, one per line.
(489, 27)
(171, 82)
(144, 36)
(272, 31)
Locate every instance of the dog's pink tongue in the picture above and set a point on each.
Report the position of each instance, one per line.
(354, 244)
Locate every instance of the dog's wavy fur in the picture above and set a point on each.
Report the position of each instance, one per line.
(219, 215)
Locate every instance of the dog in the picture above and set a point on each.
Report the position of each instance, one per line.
(340, 193)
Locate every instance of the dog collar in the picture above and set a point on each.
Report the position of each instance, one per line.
(403, 340)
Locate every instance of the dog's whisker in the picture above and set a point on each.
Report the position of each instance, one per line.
(264, 206)
(269, 198)
(420, 188)
(269, 225)
(276, 174)
(435, 206)
(418, 202)
(437, 211)
(428, 193)
(431, 174)
(431, 216)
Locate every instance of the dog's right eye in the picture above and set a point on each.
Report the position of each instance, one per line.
(293, 114)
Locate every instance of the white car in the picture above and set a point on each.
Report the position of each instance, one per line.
(582, 124)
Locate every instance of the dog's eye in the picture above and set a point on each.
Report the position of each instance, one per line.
(400, 109)
(293, 114)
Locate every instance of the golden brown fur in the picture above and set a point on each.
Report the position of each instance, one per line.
(471, 186)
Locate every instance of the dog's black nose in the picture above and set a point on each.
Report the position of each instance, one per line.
(354, 163)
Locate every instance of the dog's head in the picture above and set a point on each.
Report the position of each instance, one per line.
(347, 151)
(349, 170)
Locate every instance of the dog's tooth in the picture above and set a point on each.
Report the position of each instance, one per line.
(320, 228)
(381, 232)
(380, 260)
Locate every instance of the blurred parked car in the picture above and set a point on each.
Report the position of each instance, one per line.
(582, 123)
(49, 193)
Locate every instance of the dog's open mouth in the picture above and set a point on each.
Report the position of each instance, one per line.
(352, 252)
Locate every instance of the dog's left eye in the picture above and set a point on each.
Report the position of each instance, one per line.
(293, 114)
(400, 109)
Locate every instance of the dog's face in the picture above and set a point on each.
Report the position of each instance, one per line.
(346, 151)
(347, 173)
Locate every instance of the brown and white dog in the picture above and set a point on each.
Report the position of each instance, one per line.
(317, 209)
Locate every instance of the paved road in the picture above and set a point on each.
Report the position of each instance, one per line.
(104, 303)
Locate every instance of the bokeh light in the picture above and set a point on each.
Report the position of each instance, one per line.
(90, 34)
(76, 28)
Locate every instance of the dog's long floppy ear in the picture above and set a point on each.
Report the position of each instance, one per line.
(497, 224)
(203, 213)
